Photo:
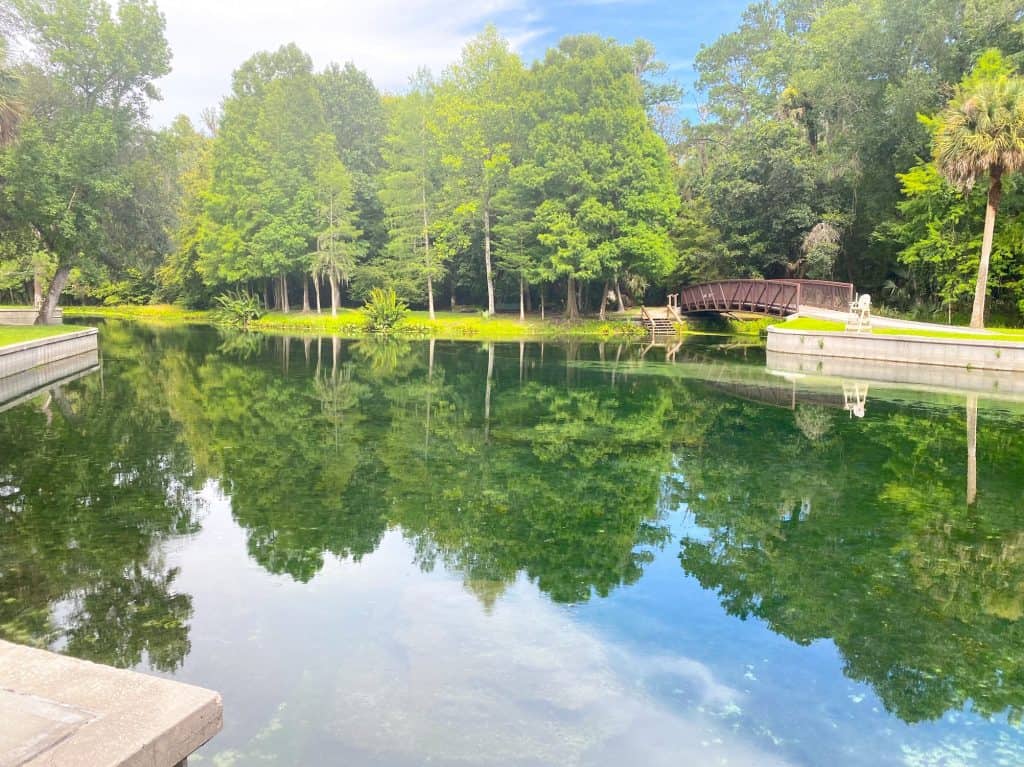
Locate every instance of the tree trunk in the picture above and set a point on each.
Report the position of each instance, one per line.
(543, 290)
(284, 293)
(572, 311)
(522, 298)
(332, 276)
(316, 288)
(972, 448)
(37, 287)
(453, 293)
(426, 251)
(487, 393)
(995, 192)
(529, 300)
(305, 294)
(267, 303)
(604, 300)
(487, 261)
(52, 297)
(618, 296)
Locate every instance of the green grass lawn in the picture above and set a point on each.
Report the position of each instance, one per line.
(828, 326)
(16, 334)
(417, 324)
(352, 322)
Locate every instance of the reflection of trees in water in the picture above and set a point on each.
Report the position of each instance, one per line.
(813, 421)
(89, 490)
(921, 591)
(867, 539)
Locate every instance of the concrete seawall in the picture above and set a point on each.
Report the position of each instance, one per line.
(948, 353)
(17, 388)
(27, 316)
(18, 358)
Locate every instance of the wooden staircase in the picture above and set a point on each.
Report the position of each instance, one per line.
(659, 325)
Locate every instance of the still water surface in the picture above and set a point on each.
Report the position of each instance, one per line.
(456, 553)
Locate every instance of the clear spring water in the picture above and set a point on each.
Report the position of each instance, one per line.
(395, 553)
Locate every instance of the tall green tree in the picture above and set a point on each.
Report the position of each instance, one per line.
(478, 105)
(338, 244)
(981, 133)
(92, 73)
(600, 174)
(410, 187)
(355, 115)
(261, 204)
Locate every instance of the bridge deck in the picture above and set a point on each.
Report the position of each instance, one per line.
(772, 297)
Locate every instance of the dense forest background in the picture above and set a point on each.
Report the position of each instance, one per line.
(498, 182)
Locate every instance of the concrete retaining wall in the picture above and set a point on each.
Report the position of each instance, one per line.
(17, 358)
(22, 386)
(27, 316)
(999, 384)
(959, 353)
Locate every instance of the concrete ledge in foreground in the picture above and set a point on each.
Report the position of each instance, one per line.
(17, 358)
(968, 354)
(63, 712)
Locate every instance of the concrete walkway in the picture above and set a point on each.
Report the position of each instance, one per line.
(57, 711)
(887, 322)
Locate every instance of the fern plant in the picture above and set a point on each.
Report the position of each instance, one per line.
(384, 309)
(238, 308)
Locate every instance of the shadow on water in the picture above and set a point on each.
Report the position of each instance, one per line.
(838, 512)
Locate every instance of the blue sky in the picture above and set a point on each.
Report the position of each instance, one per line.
(391, 38)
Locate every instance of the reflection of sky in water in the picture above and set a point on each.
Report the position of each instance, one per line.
(378, 663)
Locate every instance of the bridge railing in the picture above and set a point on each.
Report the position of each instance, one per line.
(777, 297)
(760, 296)
(825, 294)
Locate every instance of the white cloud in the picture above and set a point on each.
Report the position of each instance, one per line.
(389, 39)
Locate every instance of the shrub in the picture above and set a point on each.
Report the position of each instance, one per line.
(238, 308)
(384, 309)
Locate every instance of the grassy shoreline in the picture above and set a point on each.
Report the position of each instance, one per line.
(1013, 335)
(446, 326)
(16, 334)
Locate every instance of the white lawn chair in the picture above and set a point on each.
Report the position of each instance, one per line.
(860, 314)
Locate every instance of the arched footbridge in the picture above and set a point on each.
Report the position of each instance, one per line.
(775, 298)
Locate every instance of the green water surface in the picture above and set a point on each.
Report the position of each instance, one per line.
(399, 553)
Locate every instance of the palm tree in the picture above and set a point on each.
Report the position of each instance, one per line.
(10, 107)
(981, 131)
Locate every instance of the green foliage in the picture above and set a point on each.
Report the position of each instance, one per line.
(238, 308)
(71, 177)
(815, 113)
(384, 309)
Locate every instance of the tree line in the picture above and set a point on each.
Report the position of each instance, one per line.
(569, 182)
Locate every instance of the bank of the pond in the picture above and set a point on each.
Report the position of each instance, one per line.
(446, 325)
(16, 334)
(816, 340)
(1013, 335)
(30, 347)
